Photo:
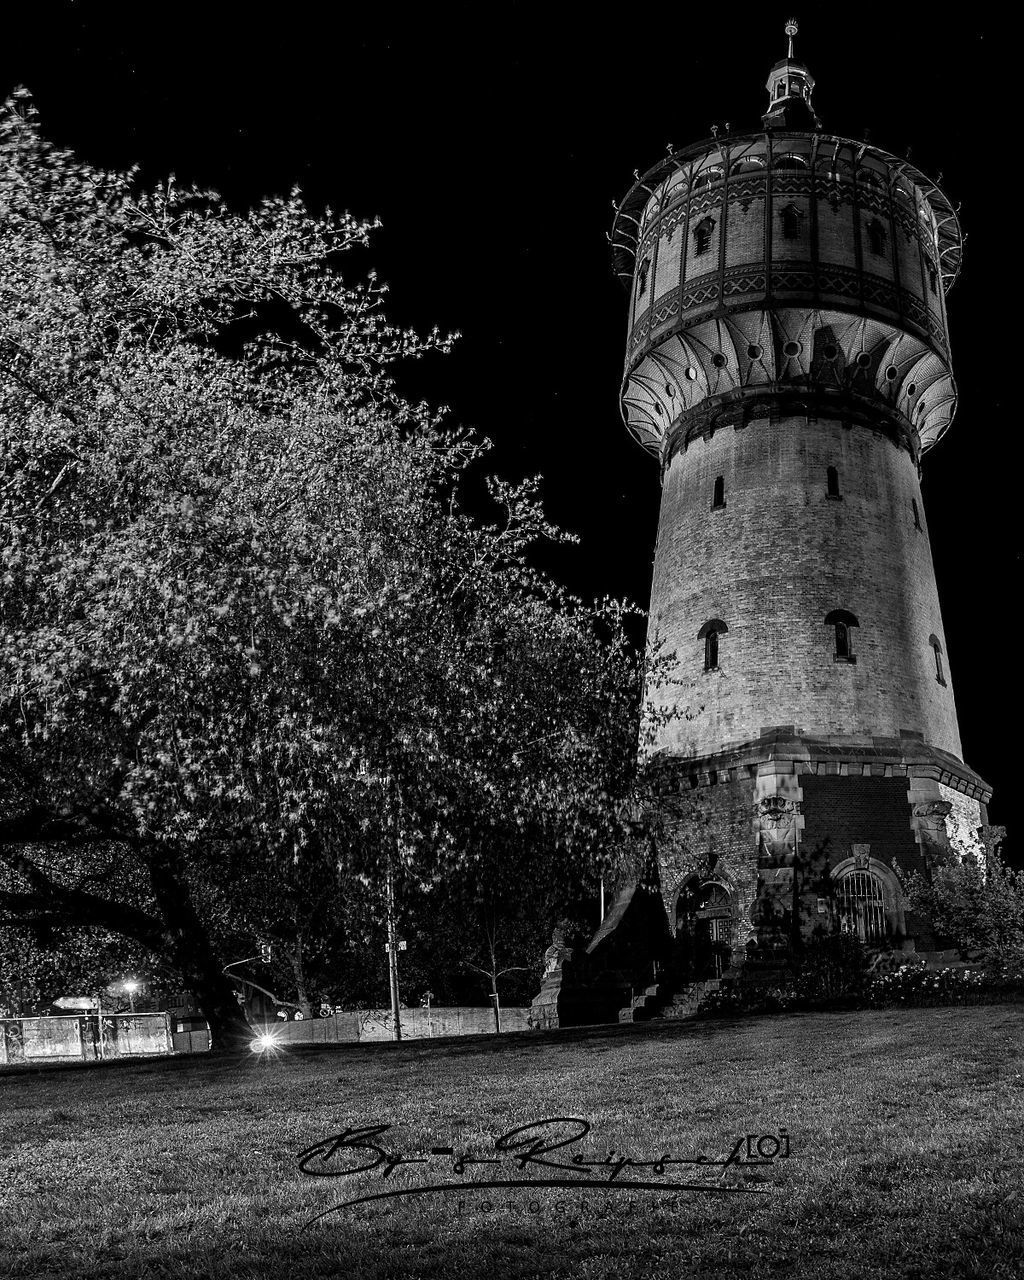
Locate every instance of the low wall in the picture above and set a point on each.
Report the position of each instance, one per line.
(78, 1038)
(417, 1024)
(67, 1039)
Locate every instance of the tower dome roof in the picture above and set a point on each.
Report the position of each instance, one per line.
(790, 86)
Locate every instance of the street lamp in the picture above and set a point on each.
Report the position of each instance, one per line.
(131, 986)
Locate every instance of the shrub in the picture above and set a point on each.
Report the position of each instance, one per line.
(832, 966)
(981, 908)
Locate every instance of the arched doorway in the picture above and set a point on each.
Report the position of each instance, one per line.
(860, 903)
(704, 929)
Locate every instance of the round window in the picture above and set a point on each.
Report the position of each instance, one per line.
(718, 360)
(892, 373)
(792, 348)
(864, 360)
(911, 388)
(754, 351)
(691, 373)
(670, 390)
(830, 351)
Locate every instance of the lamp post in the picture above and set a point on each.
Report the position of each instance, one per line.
(131, 986)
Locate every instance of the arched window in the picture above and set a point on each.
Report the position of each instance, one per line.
(709, 633)
(702, 233)
(708, 177)
(749, 164)
(719, 499)
(643, 272)
(861, 906)
(791, 217)
(842, 621)
(933, 276)
(917, 514)
(876, 237)
(832, 481)
(937, 651)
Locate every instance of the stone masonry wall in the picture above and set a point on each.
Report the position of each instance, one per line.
(772, 563)
(709, 830)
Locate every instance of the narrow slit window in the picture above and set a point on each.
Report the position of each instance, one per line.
(842, 623)
(832, 482)
(933, 278)
(709, 633)
(791, 220)
(702, 234)
(719, 497)
(937, 652)
(641, 277)
(876, 237)
(917, 513)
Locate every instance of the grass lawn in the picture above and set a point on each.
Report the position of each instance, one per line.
(905, 1128)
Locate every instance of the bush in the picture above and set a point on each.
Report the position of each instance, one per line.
(740, 1001)
(916, 985)
(980, 908)
(832, 967)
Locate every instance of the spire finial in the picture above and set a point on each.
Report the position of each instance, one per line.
(791, 30)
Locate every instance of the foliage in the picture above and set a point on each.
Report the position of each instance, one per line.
(843, 980)
(739, 1000)
(252, 652)
(980, 907)
(832, 966)
(37, 970)
(955, 984)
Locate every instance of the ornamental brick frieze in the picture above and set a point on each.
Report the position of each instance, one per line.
(791, 183)
(803, 282)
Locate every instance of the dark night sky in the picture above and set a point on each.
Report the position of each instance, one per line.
(491, 141)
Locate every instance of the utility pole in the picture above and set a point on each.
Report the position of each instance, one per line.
(393, 944)
(393, 840)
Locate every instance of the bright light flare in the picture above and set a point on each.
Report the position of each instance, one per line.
(267, 1042)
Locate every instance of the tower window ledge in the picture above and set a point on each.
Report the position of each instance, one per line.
(834, 497)
(718, 506)
(848, 658)
(939, 680)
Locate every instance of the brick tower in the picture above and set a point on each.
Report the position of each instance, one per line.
(788, 365)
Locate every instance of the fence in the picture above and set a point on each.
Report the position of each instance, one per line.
(83, 1038)
(87, 1038)
(417, 1024)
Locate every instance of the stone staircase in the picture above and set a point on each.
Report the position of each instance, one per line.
(669, 1002)
(647, 1004)
(674, 1002)
(689, 998)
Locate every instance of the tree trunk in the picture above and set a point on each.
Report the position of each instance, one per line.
(191, 952)
(302, 996)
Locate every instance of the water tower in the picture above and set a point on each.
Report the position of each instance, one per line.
(788, 366)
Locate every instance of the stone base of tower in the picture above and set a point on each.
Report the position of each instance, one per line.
(787, 837)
